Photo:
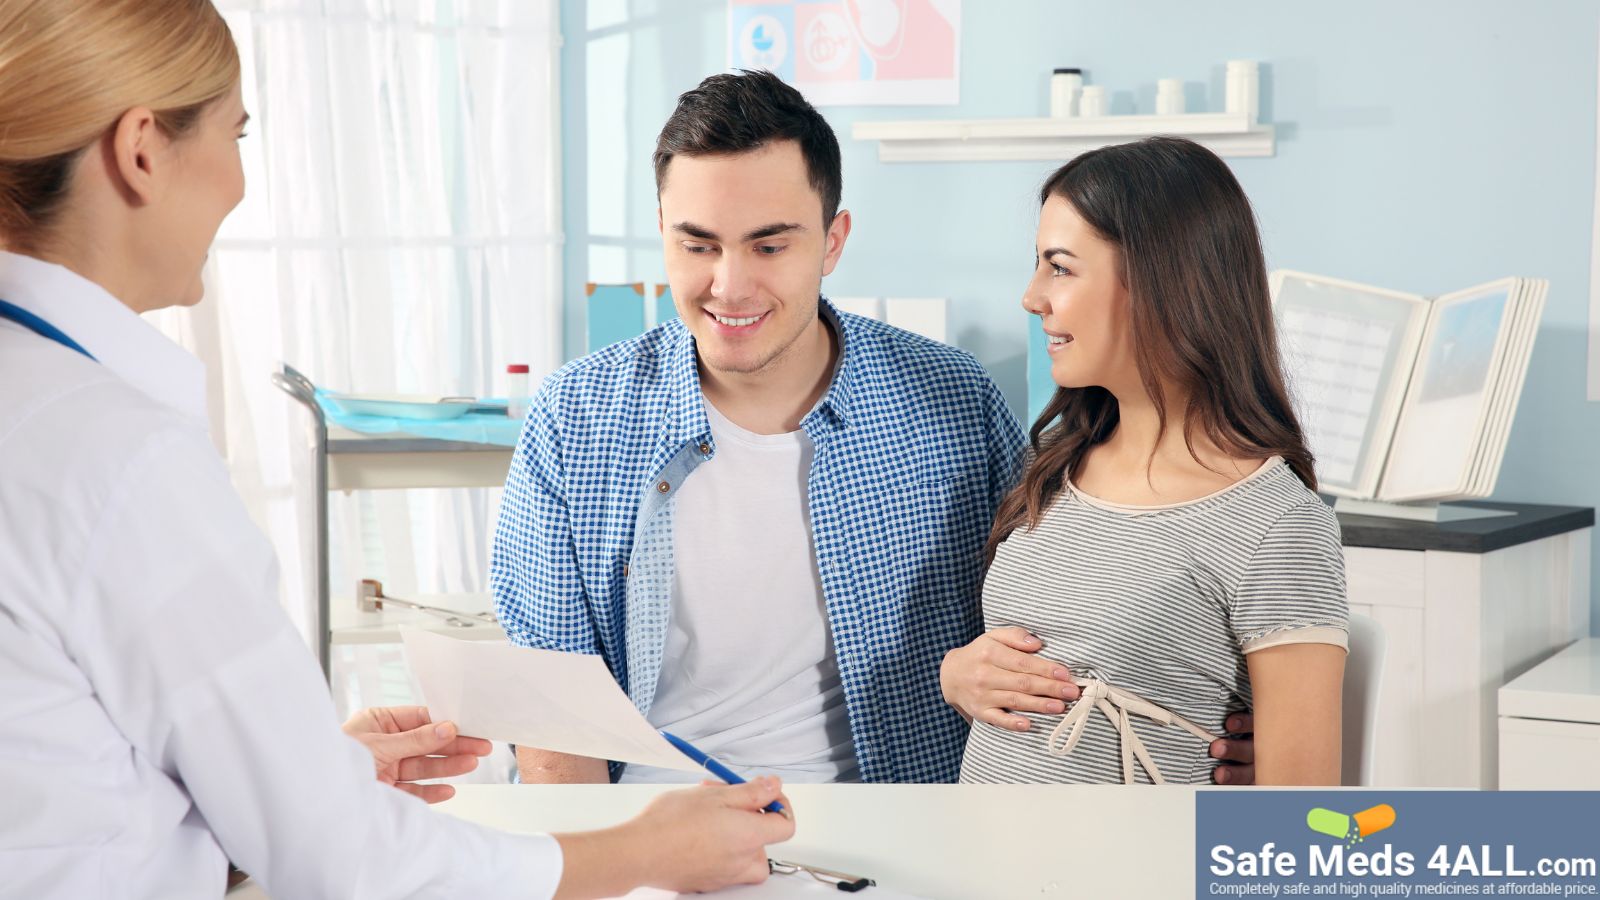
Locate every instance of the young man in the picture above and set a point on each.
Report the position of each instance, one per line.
(767, 515)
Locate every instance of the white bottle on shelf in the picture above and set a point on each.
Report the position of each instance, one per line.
(1064, 87)
(1093, 102)
(1243, 90)
(1169, 97)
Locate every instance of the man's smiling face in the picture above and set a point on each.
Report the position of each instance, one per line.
(746, 251)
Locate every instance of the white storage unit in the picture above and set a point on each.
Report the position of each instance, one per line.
(1550, 723)
(1466, 606)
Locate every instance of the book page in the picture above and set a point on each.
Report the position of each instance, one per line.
(1347, 352)
(1518, 353)
(1441, 428)
(1338, 368)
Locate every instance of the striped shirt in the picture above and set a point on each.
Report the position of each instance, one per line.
(1164, 602)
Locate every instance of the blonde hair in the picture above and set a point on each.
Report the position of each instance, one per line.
(69, 69)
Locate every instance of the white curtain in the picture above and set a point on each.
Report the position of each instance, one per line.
(400, 234)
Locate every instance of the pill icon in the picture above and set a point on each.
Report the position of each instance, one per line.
(1328, 822)
(1375, 819)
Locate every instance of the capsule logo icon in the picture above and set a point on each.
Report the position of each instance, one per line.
(1352, 829)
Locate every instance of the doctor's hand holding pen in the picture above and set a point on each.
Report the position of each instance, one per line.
(699, 839)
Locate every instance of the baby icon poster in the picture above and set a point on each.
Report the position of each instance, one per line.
(853, 52)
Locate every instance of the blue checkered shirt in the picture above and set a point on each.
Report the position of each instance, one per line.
(914, 449)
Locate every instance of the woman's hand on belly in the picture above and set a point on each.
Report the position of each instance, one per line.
(999, 674)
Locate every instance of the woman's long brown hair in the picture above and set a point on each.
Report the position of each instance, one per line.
(1201, 314)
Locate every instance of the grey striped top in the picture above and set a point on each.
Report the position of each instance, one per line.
(1164, 602)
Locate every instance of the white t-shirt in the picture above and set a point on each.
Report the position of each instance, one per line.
(749, 674)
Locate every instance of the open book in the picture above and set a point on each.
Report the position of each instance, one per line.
(1404, 397)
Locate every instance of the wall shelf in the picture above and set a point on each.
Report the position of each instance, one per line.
(975, 140)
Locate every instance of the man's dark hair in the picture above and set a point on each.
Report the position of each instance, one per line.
(737, 113)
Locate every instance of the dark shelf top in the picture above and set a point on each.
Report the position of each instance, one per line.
(1530, 523)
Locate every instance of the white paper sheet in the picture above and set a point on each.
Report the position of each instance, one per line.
(566, 702)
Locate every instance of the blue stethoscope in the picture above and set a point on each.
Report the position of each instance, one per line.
(40, 327)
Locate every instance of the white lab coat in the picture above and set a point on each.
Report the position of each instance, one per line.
(158, 713)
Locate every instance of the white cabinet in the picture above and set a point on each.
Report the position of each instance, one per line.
(1467, 607)
(1550, 723)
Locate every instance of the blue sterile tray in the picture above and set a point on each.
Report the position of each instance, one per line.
(482, 422)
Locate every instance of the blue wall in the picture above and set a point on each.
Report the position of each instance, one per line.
(1425, 146)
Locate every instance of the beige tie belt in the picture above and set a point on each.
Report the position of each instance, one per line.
(1117, 705)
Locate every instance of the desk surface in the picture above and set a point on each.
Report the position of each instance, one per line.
(1530, 523)
(957, 841)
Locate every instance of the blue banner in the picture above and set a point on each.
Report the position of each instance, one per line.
(1397, 843)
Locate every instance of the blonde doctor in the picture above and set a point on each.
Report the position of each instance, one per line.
(158, 714)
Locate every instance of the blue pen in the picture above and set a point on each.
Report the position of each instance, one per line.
(712, 766)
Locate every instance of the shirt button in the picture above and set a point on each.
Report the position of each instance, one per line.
(663, 487)
(705, 449)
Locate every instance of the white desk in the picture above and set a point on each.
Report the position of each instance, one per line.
(944, 840)
(961, 842)
(1550, 723)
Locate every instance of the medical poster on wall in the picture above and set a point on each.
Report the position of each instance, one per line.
(853, 52)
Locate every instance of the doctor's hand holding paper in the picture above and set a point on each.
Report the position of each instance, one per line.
(408, 747)
(159, 715)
